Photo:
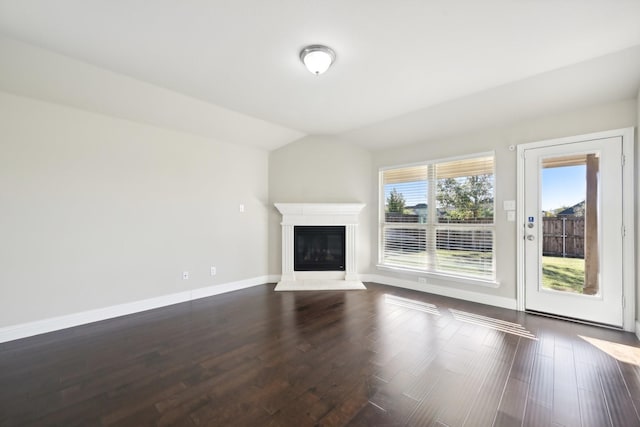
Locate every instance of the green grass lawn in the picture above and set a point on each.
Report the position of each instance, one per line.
(563, 274)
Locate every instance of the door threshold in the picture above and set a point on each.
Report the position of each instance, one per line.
(574, 320)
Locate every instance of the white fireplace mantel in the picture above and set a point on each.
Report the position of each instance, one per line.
(345, 214)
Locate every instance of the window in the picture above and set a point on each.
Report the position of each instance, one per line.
(439, 217)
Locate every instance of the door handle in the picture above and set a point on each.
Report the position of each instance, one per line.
(531, 237)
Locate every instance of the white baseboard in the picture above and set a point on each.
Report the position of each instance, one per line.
(478, 297)
(637, 329)
(232, 286)
(14, 332)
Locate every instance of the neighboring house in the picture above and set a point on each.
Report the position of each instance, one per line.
(417, 213)
(575, 210)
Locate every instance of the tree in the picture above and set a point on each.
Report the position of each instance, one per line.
(395, 202)
(466, 198)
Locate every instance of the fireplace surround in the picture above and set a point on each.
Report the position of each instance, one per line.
(319, 215)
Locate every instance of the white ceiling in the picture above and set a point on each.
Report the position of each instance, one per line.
(401, 65)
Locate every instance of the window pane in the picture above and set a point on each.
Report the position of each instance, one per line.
(405, 247)
(405, 193)
(570, 248)
(465, 252)
(465, 191)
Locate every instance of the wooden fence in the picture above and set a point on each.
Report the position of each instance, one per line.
(563, 237)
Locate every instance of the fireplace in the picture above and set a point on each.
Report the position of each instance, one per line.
(318, 248)
(319, 243)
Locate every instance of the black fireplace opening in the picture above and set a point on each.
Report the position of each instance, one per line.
(318, 248)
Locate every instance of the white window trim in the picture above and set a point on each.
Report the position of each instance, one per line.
(466, 280)
(442, 160)
(492, 283)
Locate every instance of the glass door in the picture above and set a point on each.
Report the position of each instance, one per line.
(573, 230)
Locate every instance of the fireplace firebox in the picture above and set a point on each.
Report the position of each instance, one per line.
(319, 248)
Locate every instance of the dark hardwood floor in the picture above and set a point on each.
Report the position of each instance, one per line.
(382, 357)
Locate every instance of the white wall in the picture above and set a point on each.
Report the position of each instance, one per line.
(637, 205)
(598, 118)
(97, 211)
(32, 71)
(321, 170)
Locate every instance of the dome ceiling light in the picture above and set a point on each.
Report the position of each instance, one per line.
(317, 58)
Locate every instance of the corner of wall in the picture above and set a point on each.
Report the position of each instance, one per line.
(320, 169)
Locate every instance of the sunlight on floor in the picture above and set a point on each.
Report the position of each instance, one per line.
(490, 322)
(623, 353)
(412, 304)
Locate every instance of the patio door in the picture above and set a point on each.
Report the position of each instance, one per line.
(572, 222)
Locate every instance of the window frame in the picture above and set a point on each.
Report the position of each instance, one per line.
(434, 225)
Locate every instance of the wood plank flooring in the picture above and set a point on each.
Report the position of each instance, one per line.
(381, 357)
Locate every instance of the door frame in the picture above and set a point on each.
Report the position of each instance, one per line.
(628, 216)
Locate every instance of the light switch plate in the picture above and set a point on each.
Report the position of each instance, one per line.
(509, 205)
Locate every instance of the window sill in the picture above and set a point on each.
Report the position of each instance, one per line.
(441, 276)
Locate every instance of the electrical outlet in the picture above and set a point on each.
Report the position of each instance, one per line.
(241, 208)
(422, 280)
(185, 275)
(214, 271)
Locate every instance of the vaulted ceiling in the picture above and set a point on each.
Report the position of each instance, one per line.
(406, 70)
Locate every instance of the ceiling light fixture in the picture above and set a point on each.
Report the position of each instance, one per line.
(317, 58)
